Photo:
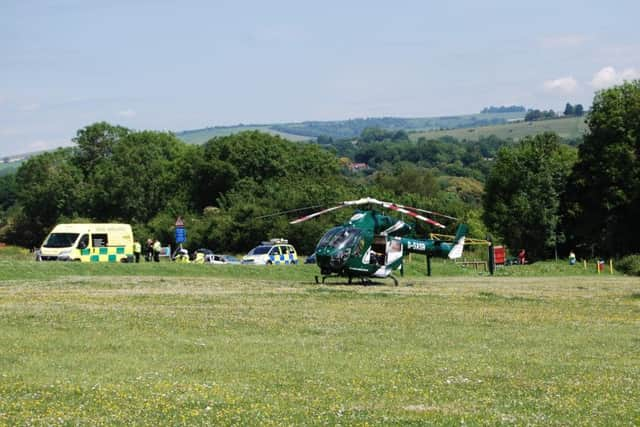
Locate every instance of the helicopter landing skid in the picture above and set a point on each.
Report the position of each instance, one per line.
(363, 280)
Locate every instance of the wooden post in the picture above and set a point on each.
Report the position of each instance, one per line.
(429, 265)
(611, 266)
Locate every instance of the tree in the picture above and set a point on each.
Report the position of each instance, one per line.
(143, 172)
(569, 110)
(533, 115)
(602, 201)
(96, 142)
(7, 192)
(406, 178)
(521, 201)
(578, 110)
(48, 186)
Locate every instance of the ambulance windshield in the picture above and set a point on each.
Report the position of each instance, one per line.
(60, 240)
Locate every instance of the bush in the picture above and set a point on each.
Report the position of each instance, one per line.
(629, 265)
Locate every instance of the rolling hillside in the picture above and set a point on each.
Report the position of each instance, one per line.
(566, 128)
(344, 129)
(200, 136)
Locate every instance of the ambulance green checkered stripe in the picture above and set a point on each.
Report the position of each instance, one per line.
(105, 254)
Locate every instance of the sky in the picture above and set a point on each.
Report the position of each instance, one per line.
(169, 65)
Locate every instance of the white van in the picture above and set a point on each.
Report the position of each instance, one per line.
(88, 243)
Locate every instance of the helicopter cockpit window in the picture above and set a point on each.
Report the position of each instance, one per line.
(340, 237)
(328, 236)
(359, 246)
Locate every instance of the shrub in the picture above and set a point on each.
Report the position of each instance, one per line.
(629, 265)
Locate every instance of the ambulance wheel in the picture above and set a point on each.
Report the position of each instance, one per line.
(269, 263)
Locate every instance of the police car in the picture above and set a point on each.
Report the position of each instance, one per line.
(275, 251)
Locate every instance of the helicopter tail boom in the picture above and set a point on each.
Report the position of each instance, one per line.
(458, 242)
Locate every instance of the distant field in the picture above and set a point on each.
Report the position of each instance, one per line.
(569, 128)
(352, 128)
(199, 345)
(201, 136)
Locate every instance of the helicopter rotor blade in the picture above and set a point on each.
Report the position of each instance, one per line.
(416, 215)
(346, 203)
(368, 200)
(402, 209)
(289, 211)
(428, 212)
(315, 214)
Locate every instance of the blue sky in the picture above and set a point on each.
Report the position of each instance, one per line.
(164, 65)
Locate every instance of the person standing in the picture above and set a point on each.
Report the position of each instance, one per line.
(522, 257)
(148, 253)
(157, 248)
(137, 250)
(572, 258)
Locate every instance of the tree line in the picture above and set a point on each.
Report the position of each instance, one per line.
(543, 195)
(540, 193)
(226, 190)
(569, 111)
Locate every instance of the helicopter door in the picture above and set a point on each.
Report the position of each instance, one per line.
(394, 250)
(378, 250)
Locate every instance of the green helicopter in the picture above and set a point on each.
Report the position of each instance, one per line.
(372, 245)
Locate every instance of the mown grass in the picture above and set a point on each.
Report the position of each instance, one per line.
(162, 344)
(17, 263)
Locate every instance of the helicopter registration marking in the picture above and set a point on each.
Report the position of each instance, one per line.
(416, 246)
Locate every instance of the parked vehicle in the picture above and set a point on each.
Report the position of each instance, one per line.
(88, 243)
(274, 251)
(311, 259)
(206, 256)
(223, 259)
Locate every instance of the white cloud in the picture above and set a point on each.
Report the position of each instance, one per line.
(630, 74)
(564, 41)
(609, 76)
(563, 84)
(128, 113)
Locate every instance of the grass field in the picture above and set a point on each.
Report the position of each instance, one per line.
(351, 128)
(568, 128)
(200, 136)
(174, 344)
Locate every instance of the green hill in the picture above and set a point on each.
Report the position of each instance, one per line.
(200, 136)
(566, 128)
(352, 128)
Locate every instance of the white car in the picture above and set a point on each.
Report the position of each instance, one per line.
(275, 251)
(221, 259)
